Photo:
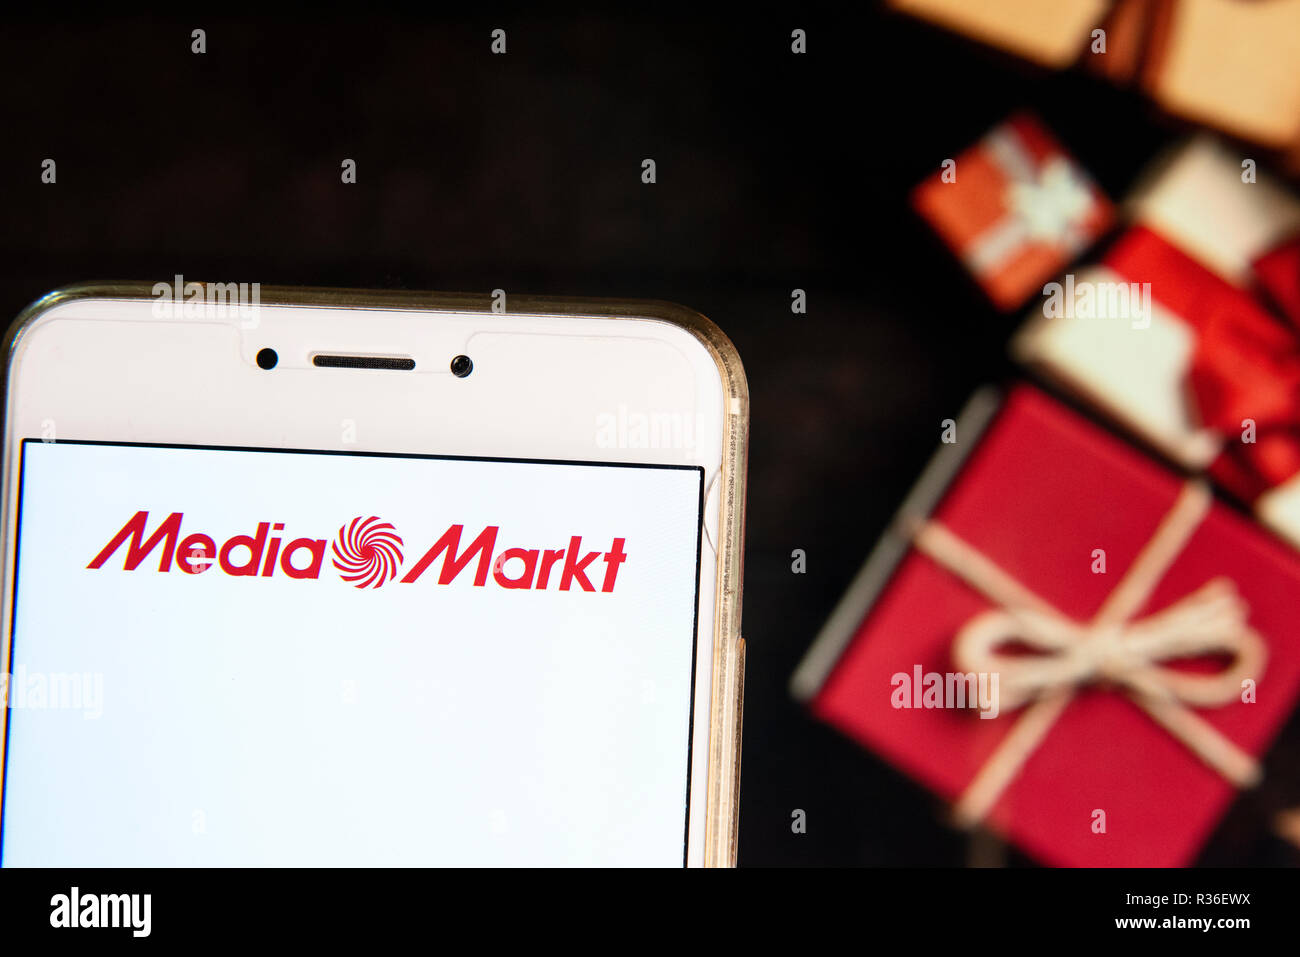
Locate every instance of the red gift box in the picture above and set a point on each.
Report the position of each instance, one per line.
(1120, 692)
(1018, 211)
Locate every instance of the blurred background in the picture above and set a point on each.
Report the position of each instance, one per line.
(775, 171)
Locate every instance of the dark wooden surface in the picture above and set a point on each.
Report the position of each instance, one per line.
(523, 172)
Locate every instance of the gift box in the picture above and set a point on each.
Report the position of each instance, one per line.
(1018, 210)
(1188, 330)
(1137, 638)
(1197, 196)
(1229, 64)
(1052, 34)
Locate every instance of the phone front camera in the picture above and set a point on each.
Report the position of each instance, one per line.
(461, 366)
(266, 359)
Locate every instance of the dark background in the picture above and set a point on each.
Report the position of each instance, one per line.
(522, 171)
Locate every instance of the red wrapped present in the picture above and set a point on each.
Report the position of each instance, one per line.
(1137, 639)
(1018, 210)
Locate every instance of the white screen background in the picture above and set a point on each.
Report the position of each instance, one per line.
(284, 722)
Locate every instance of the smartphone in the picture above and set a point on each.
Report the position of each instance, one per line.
(322, 577)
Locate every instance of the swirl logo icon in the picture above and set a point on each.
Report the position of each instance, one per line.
(367, 552)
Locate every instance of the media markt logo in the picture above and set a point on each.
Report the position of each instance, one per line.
(367, 553)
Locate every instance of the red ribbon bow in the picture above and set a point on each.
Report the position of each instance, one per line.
(1246, 368)
(1246, 363)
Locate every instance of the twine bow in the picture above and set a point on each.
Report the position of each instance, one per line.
(1113, 648)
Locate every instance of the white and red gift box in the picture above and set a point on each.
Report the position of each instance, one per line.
(1187, 332)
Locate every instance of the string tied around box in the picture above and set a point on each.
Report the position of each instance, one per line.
(1114, 648)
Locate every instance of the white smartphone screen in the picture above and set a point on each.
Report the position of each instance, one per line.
(235, 656)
